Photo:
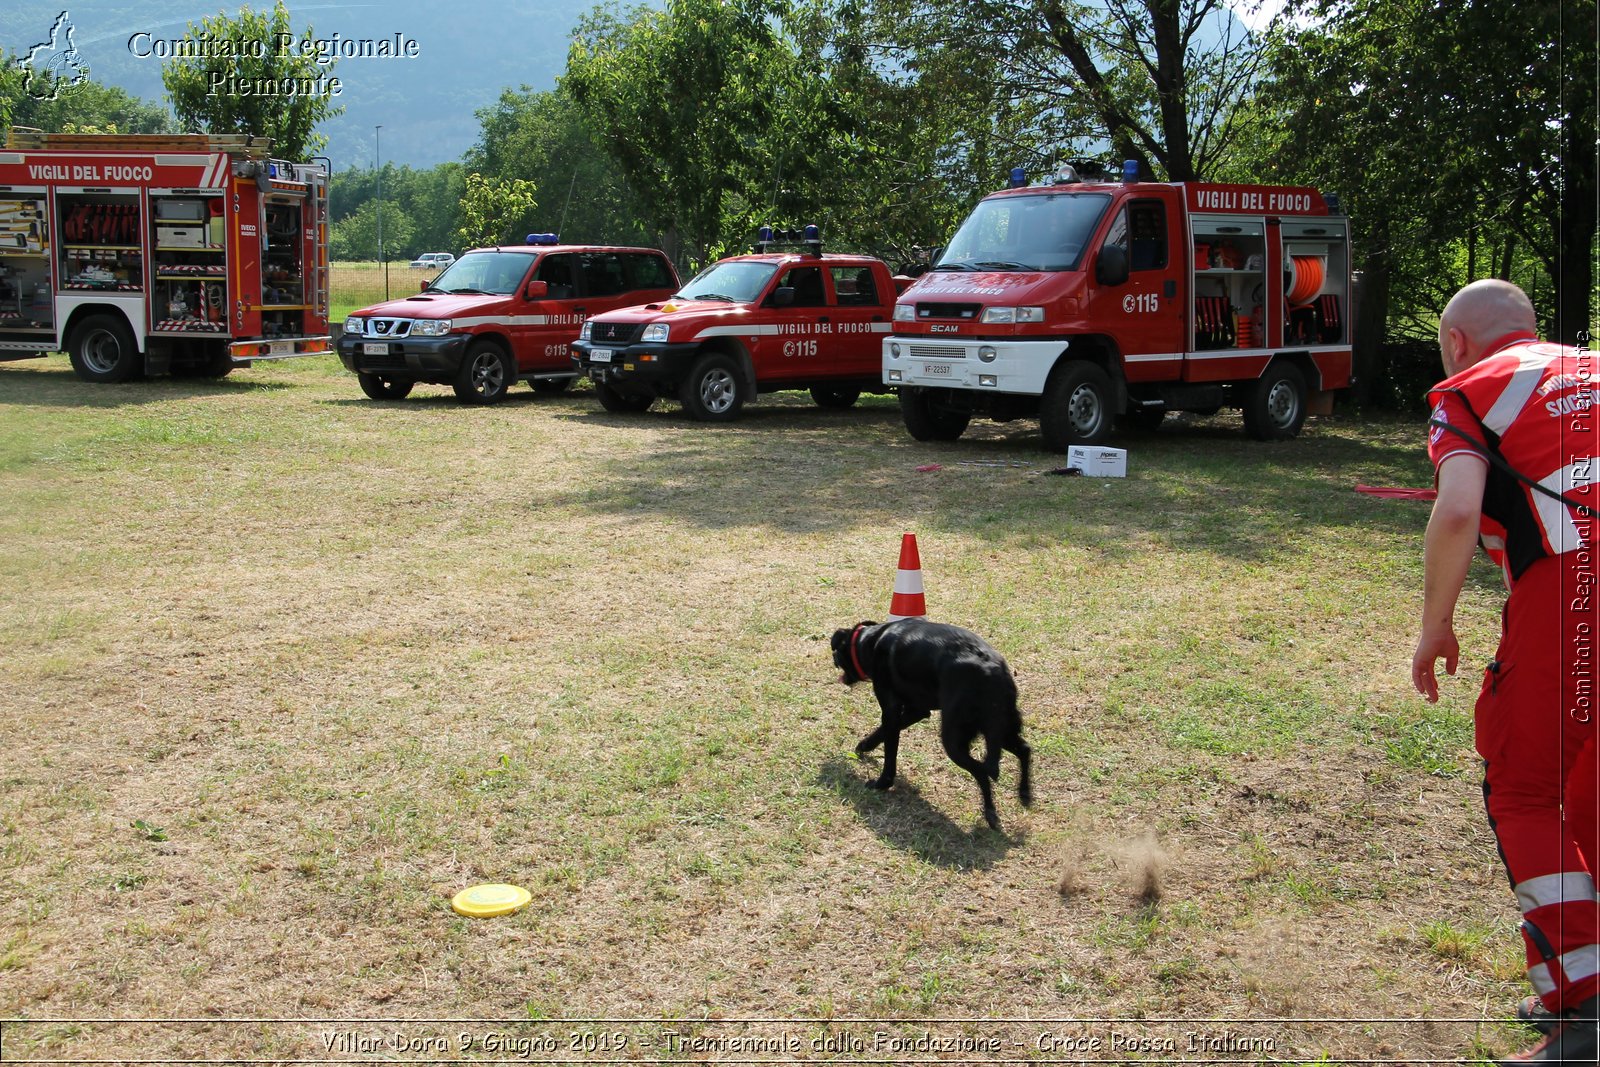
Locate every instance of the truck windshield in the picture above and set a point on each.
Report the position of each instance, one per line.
(499, 273)
(737, 282)
(1045, 231)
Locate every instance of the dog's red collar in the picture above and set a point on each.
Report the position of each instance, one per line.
(855, 660)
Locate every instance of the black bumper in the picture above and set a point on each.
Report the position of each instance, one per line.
(637, 369)
(410, 359)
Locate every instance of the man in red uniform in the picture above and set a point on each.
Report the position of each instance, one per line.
(1515, 445)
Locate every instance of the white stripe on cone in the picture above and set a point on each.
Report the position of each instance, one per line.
(908, 602)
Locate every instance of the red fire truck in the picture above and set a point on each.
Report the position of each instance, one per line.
(1085, 302)
(747, 325)
(140, 254)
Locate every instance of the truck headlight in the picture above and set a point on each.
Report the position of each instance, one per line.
(655, 333)
(1010, 314)
(430, 327)
(588, 329)
(905, 313)
(987, 353)
(894, 349)
(354, 326)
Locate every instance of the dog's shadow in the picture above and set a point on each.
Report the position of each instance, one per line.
(906, 821)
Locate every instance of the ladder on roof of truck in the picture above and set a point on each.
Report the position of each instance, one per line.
(29, 140)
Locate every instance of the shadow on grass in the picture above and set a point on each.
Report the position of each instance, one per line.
(904, 820)
(59, 387)
(1194, 486)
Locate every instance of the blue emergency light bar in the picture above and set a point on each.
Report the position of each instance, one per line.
(544, 238)
(1019, 178)
(1130, 170)
(811, 237)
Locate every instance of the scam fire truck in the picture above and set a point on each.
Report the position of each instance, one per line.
(148, 253)
(747, 325)
(1082, 302)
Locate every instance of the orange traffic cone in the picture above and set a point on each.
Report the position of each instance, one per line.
(907, 602)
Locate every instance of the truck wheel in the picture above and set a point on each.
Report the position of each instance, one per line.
(1275, 408)
(713, 392)
(1076, 407)
(383, 388)
(927, 421)
(834, 398)
(551, 385)
(621, 403)
(485, 374)
(102, 350)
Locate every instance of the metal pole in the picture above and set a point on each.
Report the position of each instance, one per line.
(377, 153)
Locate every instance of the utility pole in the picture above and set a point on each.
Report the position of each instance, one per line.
(377, 154)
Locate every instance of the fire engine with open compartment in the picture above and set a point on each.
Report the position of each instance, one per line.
(149, 253)
(1084, 302)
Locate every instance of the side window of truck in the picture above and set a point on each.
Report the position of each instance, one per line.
(646, 272)
(808, 290)
(556, 271)
(854, 286)
(1141, 228)
(602, 274)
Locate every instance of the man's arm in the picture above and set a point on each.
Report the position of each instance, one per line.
(1447, 553)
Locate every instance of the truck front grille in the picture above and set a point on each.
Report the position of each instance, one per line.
(937, 351)
(966, 312)
(615, 333)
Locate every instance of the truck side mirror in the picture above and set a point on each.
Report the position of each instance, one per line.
(424, 288)
(536, 290)
(1111, 268)
(782, 297)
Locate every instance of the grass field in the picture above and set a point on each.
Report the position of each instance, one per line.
(286, 668)
(354, 285)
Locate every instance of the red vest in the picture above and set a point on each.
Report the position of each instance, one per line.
(1535, 405)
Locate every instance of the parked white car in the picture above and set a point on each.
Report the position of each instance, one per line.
(432, 261)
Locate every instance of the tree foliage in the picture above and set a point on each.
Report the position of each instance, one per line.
(243, 82)
(490, 207)
(1458, 149)
(1159, 80)
(83, 107)
(429, 202)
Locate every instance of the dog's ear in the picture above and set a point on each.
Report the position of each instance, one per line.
(840, 640)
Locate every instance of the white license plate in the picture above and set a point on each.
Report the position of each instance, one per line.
(936, 370)
(370, 349)
(600, 355)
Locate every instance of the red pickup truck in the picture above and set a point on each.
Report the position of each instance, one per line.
(747, 325)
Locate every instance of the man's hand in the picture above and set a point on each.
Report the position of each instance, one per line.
(1435, 643)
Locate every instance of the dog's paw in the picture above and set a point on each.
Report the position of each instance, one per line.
(992, 817)
(880, 784)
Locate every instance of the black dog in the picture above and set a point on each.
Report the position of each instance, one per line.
(915, 667)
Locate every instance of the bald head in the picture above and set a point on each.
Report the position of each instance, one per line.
(1479, 315)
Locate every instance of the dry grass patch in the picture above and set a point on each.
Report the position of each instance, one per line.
(349, 657)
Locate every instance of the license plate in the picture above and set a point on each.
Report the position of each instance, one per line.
(935, 370)
(600, 355)
(370, 349)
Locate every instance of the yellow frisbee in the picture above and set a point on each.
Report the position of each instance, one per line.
(487, 901)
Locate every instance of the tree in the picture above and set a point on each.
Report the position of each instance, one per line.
(544, 138)
(355, 237)
(489, 208)
(1459, 149)
(83, 107)
(242, 80)
(1161, 79)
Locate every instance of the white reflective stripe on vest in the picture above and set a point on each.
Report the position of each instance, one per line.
(1577, 965)
(1555, 517)
(1530, 368)
(1548, 889)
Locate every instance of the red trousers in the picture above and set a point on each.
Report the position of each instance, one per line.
(1536, 731)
